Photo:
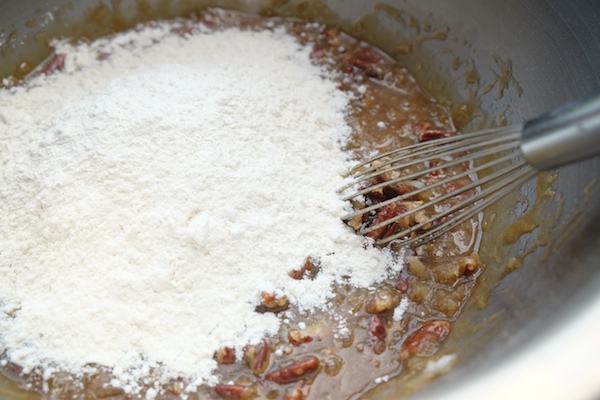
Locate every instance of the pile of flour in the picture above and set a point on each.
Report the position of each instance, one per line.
(147, 199)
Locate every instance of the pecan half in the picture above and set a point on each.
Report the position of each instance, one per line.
(236, 391)
(425, 340)
(257, 357)
(295, 372)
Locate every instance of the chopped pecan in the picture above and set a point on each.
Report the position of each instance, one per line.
(366, 55)
(432, 134)
(355, 223)
(421, 217)
(225, 355)
(403, 284)
(309, 270)
(440, 173)
(347, 68)
(299, 392)
(367, 60)
(375, 196)
(469, 264)
(236, 391)
(257, 357)
(390, 211)
(143, 25)
(297, 337)
(425, 340)
(418, 268)
(455, 185)
(332, 32)
(295, 372)
(176, 388)
(376, 334)
(55, 64)
(376, 329)
(384, 213)
(307, 334)
(272, 303)
(449, 273)
(384, 299)
(398, 188)
(182, 30)
(332, 36)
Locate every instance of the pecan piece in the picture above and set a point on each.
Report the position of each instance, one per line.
(440, 173)
(306, 334)
(225, 355)
(398, 188)
(403, 284)
(367, 60)
(236, 391)
(309, 270)
(470, 264)
(175, 388)
(450, 272)
(425, 340)
(376, 329)
(295, 372)
(383, 214)
(299, 392)
(455, 185)
(432, 134)
(297, 337)
(257, 357)
(272, 303)
(417, 268)
(384, 298)
(332, 32)
(55, 64)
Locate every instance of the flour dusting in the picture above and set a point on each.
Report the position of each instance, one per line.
(154, 188)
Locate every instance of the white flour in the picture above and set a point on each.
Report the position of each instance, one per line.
(147, 199)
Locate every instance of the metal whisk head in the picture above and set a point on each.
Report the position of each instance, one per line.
(417, 193)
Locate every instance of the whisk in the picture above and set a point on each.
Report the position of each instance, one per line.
(499, 161)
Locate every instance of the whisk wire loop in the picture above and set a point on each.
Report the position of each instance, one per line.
(445, 149)
(494, 154)
(488, 197)
(482, 135)
(452, 223)
(435, 185)
(565, 135)
(465, 203)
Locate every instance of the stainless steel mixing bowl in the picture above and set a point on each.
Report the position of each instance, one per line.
(511, 59)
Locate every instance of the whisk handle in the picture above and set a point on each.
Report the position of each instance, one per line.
(567, 134)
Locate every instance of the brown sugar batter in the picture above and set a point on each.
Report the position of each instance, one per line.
(367, 335)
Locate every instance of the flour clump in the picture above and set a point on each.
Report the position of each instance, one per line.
(156, 187)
